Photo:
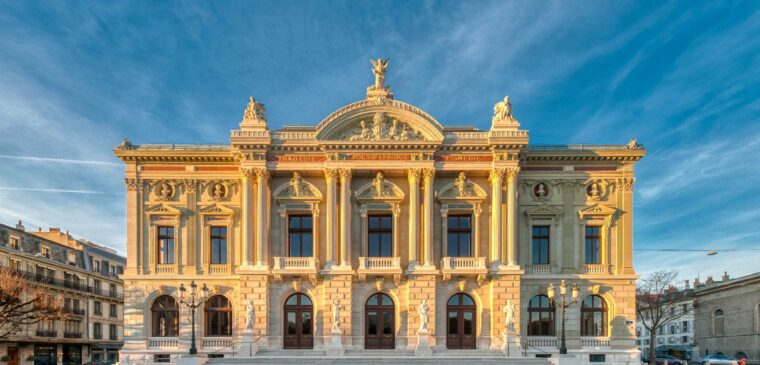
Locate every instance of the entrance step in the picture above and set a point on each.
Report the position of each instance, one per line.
(371, 358)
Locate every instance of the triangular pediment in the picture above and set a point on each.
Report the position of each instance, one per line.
(462, 189)
(297, 189)
(596, 210)
(162, 209)
(544, 210)
(379, 189)
(216, 209)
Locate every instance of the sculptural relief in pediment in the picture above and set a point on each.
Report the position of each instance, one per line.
(297, 188)
(462, 189)
(381, 128)
(379, 189)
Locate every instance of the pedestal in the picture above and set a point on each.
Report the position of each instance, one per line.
(190, 360)
(423, 344)
(246, 346)
(511, 346)
(566, 359)
(335, 347)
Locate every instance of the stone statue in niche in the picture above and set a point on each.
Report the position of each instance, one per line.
(249, 315)
(502, 111)
(297, 186)
(165, 192)
(335, 316)
(509, 316)
(422, 310)
(540, 190)
(254, 112)
(379, 67)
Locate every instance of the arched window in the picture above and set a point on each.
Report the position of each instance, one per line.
(540, 316)
(165, 317)
(718, 329)
(218, 316)
(593, 316)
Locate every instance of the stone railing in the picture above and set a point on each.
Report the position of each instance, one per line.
(165, 269)
(163, 342)
(379, 263)
(596, 269)
(595, 342)
(463, 263)
(541, 269)
(219, 269)
(300, 264)
(542, 342)
(294, 135)
(216, 342)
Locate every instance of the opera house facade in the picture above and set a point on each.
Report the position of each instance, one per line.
(379, 229)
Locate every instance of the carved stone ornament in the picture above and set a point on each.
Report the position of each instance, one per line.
(379, 187)
(254, 112)
(297, 189)
(502, 112)
(125, 145)
(633, 144)
(133, 184)
(381, 128)
(541, 191)
(297, 186)
(462, 188)
(595, 190)
(164, 190)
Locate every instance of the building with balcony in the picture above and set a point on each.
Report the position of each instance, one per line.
(676, 338)
(351, 224)
(84, 278)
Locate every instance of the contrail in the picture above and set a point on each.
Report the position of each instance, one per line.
(57, 190)
(60, 160)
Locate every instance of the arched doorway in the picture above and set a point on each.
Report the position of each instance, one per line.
(460, 322)
(380, 324)
(299, 314)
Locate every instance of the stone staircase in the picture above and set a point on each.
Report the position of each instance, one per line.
(379, 357)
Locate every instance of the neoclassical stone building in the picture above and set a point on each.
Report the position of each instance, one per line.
(361, 225)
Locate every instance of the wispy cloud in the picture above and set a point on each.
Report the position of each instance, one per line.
(61, 160)
(42, 190)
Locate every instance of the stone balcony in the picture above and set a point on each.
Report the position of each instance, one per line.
(596, 269)
(157, 343)
(295, 266)
(379, 266)
(464, 266)
(541, 270)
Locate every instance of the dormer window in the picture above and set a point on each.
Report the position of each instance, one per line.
(14, 243)
(46, 252)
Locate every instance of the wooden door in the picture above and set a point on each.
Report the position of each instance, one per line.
(299, 320)
(460, 322)
(379, 323)
(12, 356)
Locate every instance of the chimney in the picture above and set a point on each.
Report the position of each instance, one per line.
(696, 283)
(686, 285)
(709, 280)
(725, 276)
(54, 229)
(20, 225)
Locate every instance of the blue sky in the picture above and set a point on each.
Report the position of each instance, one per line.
(682, 77)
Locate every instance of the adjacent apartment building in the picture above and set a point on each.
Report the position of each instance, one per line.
(677, 337)
(84, 278)
(380, 228)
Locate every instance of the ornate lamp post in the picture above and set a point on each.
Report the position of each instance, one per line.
(563, 302)
(192, 305)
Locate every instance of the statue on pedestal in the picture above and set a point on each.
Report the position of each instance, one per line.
(422, 310)
(249, 315)
(378, 68)
(335, 316)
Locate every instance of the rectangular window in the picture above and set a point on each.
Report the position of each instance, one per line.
(112, 311)
(97, 330)
(684, 326)
(112, 292)
(165, 245)
(96, 285)
(112, 332)
(300, 236)
(380, 236)
(14, 243)
(97, 266)
(540, 245)
(592, 244)
(459, 236)
(98, 308)
(218, 245)
(162, 358)
(46, 252)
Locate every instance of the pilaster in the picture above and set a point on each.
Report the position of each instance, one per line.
(496, 178)
(246, 222)
(428, 176)
(345, 217)
(512, 208)
(262, 180)
(134, 208)
(414, 215)
(331, 176)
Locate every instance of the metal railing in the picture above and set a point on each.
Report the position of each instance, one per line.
(62, 283)
(75, 311)
(72, 335)
(46, 333)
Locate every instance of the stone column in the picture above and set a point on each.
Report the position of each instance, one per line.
(262, 179)
(428, 176)
(247, 249)
(625, 236)
(331, 176)
(512, 215)
(345, 217)
(414, 215)
(134, 192)
(496, 178)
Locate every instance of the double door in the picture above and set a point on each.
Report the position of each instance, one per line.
(299, 321)
(460, 322)
(379, 323)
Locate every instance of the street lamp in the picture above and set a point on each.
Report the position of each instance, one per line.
(563, 302)
(192, 305)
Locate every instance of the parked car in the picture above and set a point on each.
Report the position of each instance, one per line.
(717, 360)
(672, 360)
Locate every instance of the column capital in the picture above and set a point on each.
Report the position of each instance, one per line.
(261, 173)
(315, 209)
(511, 173)
(626, 183)
(428, 174)
(414, 174)
(345, 175)
(497, 175)
(248, 172)
(331, 173)
(133, 184)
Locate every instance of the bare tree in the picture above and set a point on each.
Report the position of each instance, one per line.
(657, 304)
(21, 304)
